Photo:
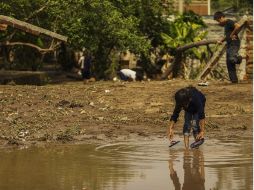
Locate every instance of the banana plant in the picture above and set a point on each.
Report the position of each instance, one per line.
(182, 33)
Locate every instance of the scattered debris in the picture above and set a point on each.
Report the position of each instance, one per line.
(203, 84)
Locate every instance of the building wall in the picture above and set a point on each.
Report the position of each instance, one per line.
(249, 51)
(201, 7)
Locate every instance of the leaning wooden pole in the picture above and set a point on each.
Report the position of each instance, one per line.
(212, 63)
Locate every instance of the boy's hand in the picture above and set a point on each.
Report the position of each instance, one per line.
(233, 37)
(200, 135)
(170, 132)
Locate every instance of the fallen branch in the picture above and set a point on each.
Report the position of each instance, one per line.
(41, 50)
(29, 28)
(178, 57)
(196, 44)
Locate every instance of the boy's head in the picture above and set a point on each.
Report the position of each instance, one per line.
(219, 17)
(183, 97)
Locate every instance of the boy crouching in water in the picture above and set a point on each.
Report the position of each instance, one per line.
(192, 101)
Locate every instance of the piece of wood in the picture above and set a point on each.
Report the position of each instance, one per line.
(29, 28)
(3, 27)
(212, 63)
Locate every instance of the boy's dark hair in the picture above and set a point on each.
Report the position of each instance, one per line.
(183, 96)
(218, 15)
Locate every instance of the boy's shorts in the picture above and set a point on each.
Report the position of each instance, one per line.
(191, 122)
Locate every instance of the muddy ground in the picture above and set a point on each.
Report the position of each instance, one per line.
(74, 112)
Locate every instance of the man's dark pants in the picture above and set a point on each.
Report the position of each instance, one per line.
(232, 59)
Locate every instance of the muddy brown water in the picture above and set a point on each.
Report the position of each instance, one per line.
(142, 165)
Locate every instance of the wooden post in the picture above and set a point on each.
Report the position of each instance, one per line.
(212, 63)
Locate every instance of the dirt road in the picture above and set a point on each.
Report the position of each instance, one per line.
(106, 111)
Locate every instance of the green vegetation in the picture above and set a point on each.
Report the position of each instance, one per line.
(104, 28)
(183, 31)
(100, 26)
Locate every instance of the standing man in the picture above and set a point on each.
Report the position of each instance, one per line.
(231, 30)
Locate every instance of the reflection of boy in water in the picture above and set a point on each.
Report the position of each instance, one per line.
(194, 174)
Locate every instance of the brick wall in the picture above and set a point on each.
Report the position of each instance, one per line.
(201, 9)
(249, 52)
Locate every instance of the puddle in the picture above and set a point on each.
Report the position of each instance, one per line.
(142, 165)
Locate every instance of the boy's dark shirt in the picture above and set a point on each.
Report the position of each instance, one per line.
(228, 29)
(196, 105)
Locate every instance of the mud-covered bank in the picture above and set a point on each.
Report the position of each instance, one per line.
(107, 111)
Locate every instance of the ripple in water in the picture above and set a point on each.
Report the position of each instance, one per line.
(216, 152)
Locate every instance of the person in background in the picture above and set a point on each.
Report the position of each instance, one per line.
(192, 101)
(130, 75)
(85, 63)
(231, 29)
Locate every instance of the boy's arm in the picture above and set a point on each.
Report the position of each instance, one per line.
(202, 129)
(173, 120)
(170, 131)
(235, 31)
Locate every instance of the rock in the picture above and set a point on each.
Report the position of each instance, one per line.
(101, 118)
(124, 119)
(23, 134)
(91, 104)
